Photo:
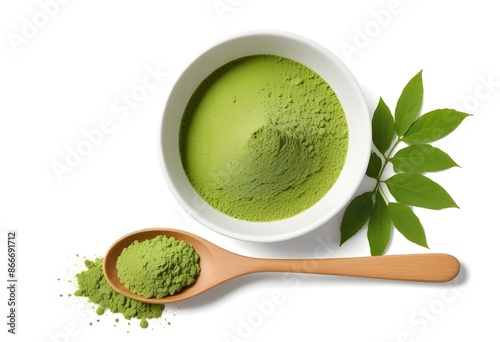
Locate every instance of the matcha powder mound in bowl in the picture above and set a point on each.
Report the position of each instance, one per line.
(263, 138)
(158, 267)
(93, 284)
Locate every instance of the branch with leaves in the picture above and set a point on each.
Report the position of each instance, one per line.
(408, 186)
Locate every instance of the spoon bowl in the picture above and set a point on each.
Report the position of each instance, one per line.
(219, 265)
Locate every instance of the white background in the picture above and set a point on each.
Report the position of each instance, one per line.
(70, 71)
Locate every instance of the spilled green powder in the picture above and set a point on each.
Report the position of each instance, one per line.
(263, 138)
(100, 311)
(93, 284)
(158, 267)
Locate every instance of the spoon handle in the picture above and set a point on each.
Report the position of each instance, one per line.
(432, 267)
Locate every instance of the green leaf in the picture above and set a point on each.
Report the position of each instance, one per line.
(418, 190)
(355, 216)
(383, 130)
(421, 158)
(374, 166)
(396, 170)
(407, 223)
(434, 126)
(379, 226)
(409, 104)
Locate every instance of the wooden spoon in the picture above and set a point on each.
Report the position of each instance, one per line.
(218, 265)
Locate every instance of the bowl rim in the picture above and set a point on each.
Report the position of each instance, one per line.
(312, 224)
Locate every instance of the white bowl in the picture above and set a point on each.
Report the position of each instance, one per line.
(322, 62)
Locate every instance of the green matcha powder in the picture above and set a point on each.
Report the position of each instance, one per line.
(263, 138)
(152, 268)
(93, 284)
(158, 267)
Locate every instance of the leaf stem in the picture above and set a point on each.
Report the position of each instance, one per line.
(384, 164)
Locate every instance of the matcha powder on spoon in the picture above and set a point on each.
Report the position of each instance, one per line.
(158, 267)
(263, 138)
